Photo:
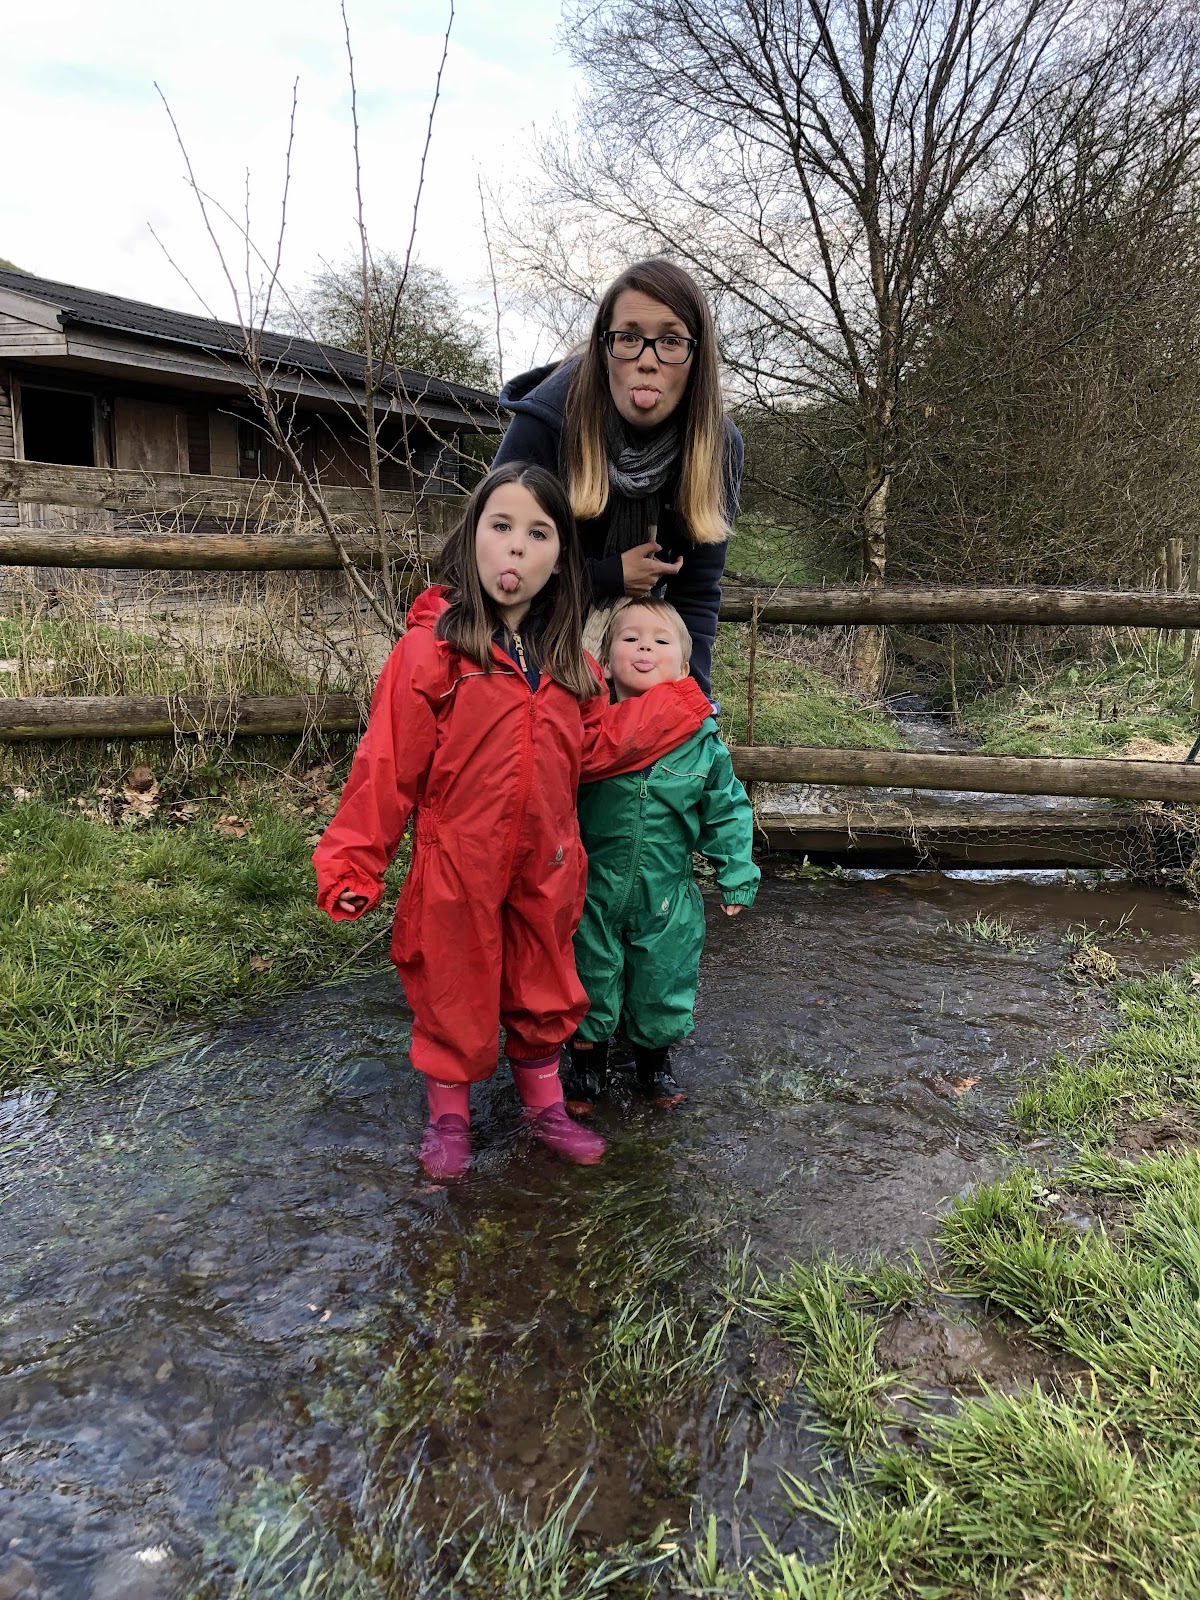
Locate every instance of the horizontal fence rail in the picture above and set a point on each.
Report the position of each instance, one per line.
(1025, 607)
(242, 549)
(268, 548)
(970, 774)
(956, 835)
(145, 716)
(137, 716)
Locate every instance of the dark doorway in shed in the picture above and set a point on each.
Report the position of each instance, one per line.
(58, 426)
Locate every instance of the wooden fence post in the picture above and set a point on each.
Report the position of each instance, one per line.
(1174, 576)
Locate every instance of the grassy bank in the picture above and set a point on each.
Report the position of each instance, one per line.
(795, 702)
(1126, 703)
(116, 935)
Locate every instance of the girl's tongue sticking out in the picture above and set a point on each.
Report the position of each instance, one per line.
(510, 582)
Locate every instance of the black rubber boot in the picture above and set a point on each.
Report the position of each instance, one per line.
(653, 1078)
(586, 1076)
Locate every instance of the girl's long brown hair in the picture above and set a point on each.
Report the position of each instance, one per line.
(702, 460)
(472, 619)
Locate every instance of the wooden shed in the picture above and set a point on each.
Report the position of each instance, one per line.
(94, 380)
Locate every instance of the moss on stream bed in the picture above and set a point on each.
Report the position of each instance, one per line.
(1054, 1452)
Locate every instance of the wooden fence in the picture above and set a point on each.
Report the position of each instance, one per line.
(272, 545)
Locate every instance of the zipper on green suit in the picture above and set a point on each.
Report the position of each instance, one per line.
(635, 853)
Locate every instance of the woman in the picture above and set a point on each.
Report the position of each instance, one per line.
(634, 426)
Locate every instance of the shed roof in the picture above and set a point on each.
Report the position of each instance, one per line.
(91, 308)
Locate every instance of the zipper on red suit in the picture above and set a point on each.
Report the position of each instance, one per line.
(528, 784)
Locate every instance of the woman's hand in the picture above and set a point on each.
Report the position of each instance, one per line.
(732, 911)
(351, 904)
(642, 571)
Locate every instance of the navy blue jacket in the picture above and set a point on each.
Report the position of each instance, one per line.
(535, 434)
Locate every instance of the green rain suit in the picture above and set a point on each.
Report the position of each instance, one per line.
(638, 945)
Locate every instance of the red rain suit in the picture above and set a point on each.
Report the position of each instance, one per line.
(483, 930)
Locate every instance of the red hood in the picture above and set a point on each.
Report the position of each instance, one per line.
(428, 607)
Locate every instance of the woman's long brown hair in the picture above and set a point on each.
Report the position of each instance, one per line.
(702, 460)
(472, 619)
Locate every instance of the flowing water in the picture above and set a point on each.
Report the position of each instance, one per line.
(228, 1265)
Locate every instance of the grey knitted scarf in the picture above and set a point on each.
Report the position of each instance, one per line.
(637, 470)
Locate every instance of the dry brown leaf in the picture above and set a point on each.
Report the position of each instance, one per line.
(328, 803)
(313, 839)
(184, 811)
(141, 779)
(232, 827)
(959, 1086)
(261, 963)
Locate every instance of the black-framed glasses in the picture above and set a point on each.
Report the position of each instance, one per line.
(672, 349)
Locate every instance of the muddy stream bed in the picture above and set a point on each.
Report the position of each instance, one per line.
(228, 1267)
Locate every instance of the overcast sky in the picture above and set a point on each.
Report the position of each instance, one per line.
(93, 165)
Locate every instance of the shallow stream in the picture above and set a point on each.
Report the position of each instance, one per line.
(206, 1270)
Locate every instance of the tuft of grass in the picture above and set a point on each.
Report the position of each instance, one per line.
(991, 930)
(282, 1548)
(816, 1310)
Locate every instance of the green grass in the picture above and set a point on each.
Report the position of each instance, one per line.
(1088, 1489)
(113, 938)
(493, 1553)
(991, 930)
(815, 1310)
(1094, 709)
(765, 549)
(794, 704)
(1147, 1063)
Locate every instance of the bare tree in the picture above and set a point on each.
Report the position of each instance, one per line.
(260, 299)
(805, 158)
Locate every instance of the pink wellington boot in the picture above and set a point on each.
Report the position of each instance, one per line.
(446, 1147)
(446, 1142)
(567, 1138)
(545, 1116)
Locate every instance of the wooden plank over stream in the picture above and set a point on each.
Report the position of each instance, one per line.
(970, 774)
(955, 835)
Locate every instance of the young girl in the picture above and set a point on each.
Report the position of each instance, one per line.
(485, 718)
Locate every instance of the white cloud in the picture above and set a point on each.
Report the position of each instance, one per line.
(97, 164)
